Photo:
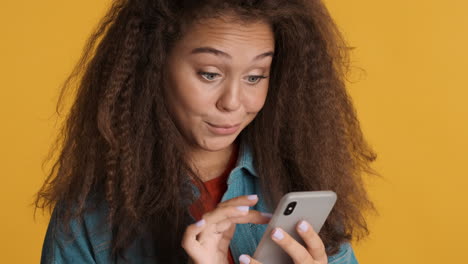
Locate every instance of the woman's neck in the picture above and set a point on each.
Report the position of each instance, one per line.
(210, 164)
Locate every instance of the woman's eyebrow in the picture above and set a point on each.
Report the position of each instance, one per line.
(224, 54)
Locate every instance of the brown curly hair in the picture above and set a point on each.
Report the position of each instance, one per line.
(120, 145)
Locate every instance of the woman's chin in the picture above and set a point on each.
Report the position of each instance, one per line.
(216, 144)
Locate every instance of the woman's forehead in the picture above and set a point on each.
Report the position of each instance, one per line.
(229, 34)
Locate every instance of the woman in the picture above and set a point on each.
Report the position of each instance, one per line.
(191, 120)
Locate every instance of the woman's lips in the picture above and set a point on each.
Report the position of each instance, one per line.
(223, 129)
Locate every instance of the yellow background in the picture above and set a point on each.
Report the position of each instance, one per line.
(411, 96)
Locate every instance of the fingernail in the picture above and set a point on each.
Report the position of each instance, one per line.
(252, 197)
(244, 259)
(243, 208)
(278, 234)
(303, 226)
(200, 223)
(266, 214)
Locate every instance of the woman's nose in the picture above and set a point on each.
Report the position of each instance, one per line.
(229, 99)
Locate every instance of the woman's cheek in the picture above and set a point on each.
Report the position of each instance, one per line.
(255, 103)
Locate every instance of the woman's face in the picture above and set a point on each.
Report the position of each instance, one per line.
(218, 80)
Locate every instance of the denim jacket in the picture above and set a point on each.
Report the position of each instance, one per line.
(88, 245)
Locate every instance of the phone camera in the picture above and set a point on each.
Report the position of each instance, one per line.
(290, 208)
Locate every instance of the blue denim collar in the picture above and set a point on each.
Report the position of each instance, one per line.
(245, 159)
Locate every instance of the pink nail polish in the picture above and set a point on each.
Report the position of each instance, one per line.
(252, 197)
(266, 214)
(278, 234)
(243, 208)
(244, 259)
(200, 223)
(303, 226)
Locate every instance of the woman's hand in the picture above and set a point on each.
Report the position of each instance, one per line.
(313, 253)
(207, 241)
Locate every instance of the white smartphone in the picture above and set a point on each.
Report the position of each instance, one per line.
(313, 206)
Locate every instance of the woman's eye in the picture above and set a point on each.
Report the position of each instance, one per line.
(251, 79)
(210, 76)
(254, 79)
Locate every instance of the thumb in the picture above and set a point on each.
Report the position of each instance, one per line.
(246, 259)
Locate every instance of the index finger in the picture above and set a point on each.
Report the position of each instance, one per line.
(222, 213)
(246, 259)
(295, 250)
(249, 200)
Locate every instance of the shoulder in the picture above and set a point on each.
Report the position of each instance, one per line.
(344, 256)
(82, 240)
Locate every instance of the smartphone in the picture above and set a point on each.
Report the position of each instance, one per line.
(313, 206)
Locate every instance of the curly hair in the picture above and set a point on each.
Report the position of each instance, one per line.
(120, 145)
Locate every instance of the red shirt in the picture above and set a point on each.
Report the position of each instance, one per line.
(216, 188)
